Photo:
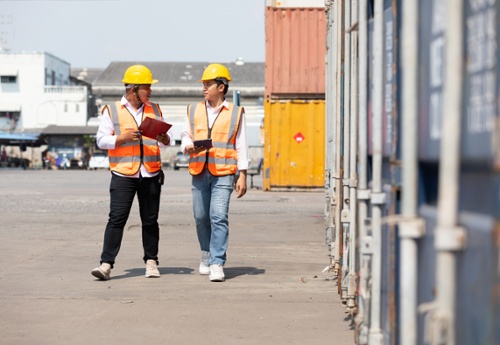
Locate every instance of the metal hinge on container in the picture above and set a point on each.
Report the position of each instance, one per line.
(377, 198)
(411, 227)
(345, 216)
(350, 182)
(366, 245)
(450, 238)
(435, 324)
(364, 194)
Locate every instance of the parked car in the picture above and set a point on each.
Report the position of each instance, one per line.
(180, 161)
(99, 160)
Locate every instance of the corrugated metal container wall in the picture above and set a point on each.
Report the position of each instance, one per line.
(424, 231)
(294, 150)
(390, 91)
(295, 3)
(295, 52)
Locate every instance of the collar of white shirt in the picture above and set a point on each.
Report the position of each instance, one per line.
(216, 110)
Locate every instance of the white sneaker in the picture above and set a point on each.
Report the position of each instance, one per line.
(204, 263)
(216, 273)
(152, 269)
(102, 272)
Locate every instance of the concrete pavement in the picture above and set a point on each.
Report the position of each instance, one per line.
(51, 232)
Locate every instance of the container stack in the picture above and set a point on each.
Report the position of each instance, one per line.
(294, 109)
(412, 205)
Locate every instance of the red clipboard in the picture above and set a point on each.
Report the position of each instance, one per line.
(151, 128)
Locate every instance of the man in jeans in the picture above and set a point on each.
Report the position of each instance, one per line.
(213, 168)
(135, 164)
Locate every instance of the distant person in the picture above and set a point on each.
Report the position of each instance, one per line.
(213, 170)
(135, 165)
(85, 159)
(4, 155)
(44, 158)
(65, 163)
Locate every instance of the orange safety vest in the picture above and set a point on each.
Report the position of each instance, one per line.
(222, 158)
(126, 159)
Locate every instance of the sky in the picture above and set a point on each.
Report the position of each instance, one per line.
(93, 33)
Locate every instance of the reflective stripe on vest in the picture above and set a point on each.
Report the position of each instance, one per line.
(126, 159)
(222, 157)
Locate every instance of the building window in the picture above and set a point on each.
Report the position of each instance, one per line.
(8, 120)
(8, 79)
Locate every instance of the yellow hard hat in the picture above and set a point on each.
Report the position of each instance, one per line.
(138, 74)
(214, 71)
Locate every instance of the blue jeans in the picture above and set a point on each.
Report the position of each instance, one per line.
(211, 196)
(122, 192)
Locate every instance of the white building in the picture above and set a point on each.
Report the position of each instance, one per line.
(35, 92)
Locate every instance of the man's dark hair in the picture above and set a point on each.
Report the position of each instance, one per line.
(223, 81)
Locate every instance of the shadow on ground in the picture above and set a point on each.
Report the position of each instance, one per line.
(136, 272)
(230, 272)
(233, 272)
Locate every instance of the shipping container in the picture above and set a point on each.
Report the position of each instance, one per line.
(389, 90)
(413, 170)
(296, 3)
(295, 53)
(294, 149)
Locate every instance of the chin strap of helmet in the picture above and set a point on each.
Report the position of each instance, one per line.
(136, 91)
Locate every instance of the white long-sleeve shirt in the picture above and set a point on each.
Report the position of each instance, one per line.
(106, 137)
(241, 136)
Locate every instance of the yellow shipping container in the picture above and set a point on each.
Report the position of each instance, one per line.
(294, 148)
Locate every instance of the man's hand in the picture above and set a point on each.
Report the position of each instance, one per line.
(190, 149)
(241, 184)
(128, 136)
(163, 138)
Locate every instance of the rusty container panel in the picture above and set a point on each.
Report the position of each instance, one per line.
(294, 148)
(295, 52)
(296, 3)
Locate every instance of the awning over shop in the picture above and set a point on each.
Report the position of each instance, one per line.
(69, 130)
(17, 139)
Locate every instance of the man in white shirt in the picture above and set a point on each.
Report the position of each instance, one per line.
(135, 163)
(213, 169)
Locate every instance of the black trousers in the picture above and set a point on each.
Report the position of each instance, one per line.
(122, 191)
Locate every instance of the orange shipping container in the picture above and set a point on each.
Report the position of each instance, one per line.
(295, 52)
(294, 149)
